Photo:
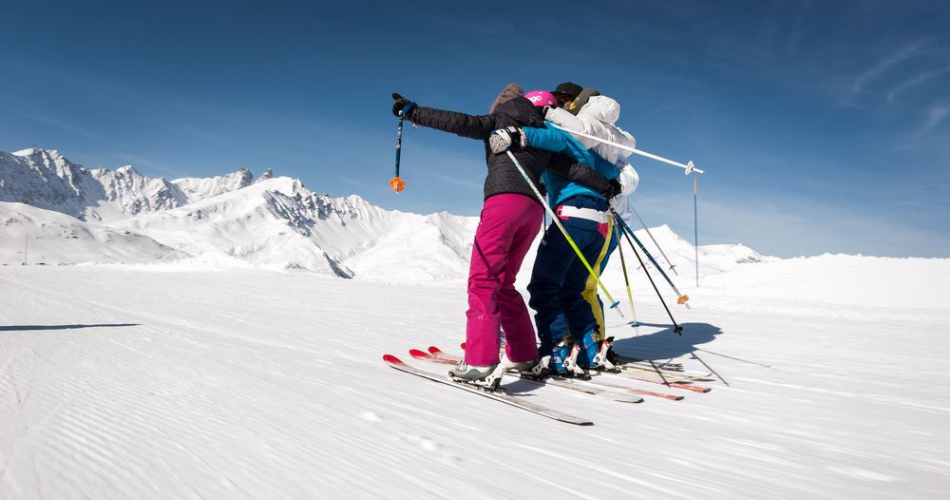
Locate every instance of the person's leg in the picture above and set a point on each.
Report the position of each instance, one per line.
(505, 232)
(590, 289)
(515, 319)
(578, 311)
(489, 259)
(553, 259)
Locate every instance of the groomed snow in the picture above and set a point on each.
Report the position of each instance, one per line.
(208, 378)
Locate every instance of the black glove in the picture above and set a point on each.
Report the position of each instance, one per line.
(613, 189)
(402, 105)
(507, 138)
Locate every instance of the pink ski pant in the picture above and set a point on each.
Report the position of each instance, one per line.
(508, 226)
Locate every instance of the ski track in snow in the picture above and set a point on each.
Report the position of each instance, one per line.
(126, 382)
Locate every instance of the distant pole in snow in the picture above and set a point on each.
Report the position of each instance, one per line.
(26, 248)
(696, 230)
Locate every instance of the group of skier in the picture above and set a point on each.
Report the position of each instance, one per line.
(528, 151)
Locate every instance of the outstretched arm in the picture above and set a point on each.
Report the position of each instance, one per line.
(547, 139)
(471, 126)
(461, 124)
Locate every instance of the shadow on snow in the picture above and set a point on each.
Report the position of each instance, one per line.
(665, 344)
(33, 328)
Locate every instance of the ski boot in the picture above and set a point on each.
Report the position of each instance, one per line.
(486, 377)
(571, 363)
(586, 352)
(560, 359)
(535, 369)
(605, 358)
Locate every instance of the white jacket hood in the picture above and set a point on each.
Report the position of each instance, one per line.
(597, 118)
(602, 109)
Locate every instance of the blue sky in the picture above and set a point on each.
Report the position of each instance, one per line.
(822, 126)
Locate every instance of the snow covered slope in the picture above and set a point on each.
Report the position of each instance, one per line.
(33, 235)
(150, 383)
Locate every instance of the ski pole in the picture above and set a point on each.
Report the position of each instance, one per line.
(672, 267)
(397, 184)
(676, 327)
(696, 231)
(554, 218)
(690, 168)
(626, 279)
(681, 298)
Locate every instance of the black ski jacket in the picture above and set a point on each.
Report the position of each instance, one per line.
(503, 176)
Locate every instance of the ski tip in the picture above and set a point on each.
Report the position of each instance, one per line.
(393, 360)
(434, 350)
(416, 353)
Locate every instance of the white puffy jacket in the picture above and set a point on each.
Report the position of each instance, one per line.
(598, 118)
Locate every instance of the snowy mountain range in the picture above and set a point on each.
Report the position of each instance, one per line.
(53, 211)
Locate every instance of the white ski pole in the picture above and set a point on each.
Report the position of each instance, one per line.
(690, 168)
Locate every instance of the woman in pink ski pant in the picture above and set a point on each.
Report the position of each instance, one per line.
(508, 225)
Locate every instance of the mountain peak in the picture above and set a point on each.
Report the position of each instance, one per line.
(34, 151)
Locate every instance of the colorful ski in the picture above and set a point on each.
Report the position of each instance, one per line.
(555, 382)
(435, 351)
(448, 358)
(500, 395)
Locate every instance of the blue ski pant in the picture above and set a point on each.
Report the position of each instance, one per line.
(562, 292)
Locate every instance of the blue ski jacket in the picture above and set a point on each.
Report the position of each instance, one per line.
(558, 141)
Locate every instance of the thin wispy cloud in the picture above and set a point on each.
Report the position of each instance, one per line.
(65, 126)
(937, 114)
(905, 53)
(915, 81)
(351, 181)
(441, 177)
(139, 161)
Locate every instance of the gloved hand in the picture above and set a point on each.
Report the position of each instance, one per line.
(613, 189)
(507, 138)
(402, 105)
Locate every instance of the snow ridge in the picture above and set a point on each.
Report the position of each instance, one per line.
(270, 221)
